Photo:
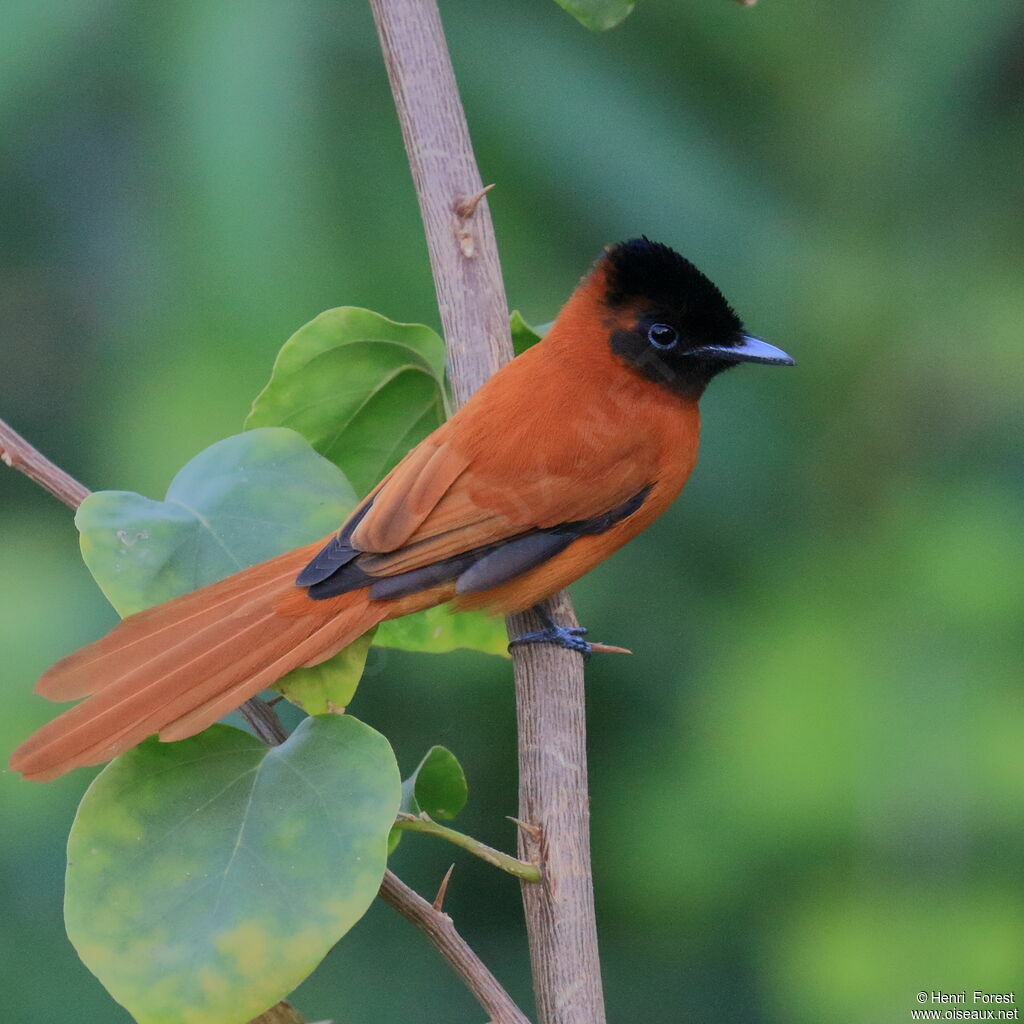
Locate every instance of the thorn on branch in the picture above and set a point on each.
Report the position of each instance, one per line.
(465, 207)
(442, 933)
(534, 831)
(442, 890)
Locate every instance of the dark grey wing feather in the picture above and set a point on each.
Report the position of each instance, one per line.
(336, 569)
(334, 555)
(512, 559)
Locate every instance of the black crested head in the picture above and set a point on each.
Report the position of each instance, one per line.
(653, 273)
(669, 322)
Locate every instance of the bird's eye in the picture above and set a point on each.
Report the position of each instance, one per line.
(662, 335)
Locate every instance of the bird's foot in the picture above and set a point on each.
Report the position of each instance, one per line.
(569, 637)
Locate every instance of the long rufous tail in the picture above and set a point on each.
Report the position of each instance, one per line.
(176, 668)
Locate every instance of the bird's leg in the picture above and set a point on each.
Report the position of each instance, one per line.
(570, 637)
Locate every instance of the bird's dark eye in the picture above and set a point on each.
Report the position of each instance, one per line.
(662, 335)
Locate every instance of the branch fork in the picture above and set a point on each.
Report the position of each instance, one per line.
(522, 869)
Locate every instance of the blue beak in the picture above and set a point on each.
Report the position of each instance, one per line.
(749, 350)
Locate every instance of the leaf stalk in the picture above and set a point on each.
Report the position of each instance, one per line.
(427, 826)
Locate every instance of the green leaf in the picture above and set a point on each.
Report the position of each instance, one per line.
(598, 14)
(242, 500)
(207, 878)
(360, 388)
(523, 335)
(363, 390)
(437, 631)
(438, 786)
(329, 687)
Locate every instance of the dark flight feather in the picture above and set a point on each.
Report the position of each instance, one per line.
(512, 559)
(335, 554)
(475, 570)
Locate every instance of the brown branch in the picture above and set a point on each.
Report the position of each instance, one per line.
(282, 1013)
(440, 930)
(549, 681)
(20, 455)
(263, 721)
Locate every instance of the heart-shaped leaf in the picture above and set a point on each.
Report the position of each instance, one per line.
(207, 878)
(239, 502)
(362, 389)
(598, 15)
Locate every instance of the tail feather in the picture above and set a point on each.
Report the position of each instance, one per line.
(137, 698)
(198, 718)
(197, 658)
(175, 703)
(92, 667)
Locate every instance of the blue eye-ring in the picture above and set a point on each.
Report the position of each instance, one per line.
(662, 335)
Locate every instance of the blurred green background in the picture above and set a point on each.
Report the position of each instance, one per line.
(808, 788)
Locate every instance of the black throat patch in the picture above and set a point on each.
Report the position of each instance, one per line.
(683, 375)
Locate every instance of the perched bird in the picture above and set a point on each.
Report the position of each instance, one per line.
(560, 458)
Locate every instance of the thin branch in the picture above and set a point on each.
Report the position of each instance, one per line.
(20, 455)
(263, 721)
(428, 827)
(553, 794)
(440, 930)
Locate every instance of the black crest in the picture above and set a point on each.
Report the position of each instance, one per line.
(658, 277)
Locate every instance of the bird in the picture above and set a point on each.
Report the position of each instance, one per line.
(560, 458)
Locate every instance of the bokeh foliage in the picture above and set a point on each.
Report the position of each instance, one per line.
(807, 795)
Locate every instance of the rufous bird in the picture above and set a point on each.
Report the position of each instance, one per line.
(557, 461)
